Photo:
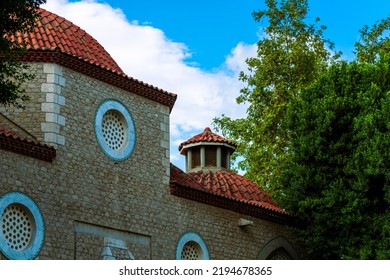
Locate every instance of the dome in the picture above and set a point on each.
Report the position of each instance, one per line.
(55, 39)
(53, 32)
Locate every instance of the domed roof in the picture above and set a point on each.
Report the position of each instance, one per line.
(55, 39)
(54, 32)
(207, 136)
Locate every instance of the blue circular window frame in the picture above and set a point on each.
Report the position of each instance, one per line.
(126, 151)
(36, 243)
(191, 236)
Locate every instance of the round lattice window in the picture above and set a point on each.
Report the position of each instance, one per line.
(21, 227)
(191, 251)
(17, 226)
(115, 130)
(191, 247)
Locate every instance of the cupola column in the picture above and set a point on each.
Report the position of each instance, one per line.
(228, 160)
(203, 156)
(189, 160)
(219, 157)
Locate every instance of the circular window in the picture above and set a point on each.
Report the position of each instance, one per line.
(21, 227)
(191, 251)
(18, 226)
(115, 130)
(191, 247)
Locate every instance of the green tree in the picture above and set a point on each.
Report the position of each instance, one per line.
(373, 43)
(291, 55)
(15, 16)
(337, 176)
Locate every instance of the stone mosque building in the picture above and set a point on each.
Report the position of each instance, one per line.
(86, 172)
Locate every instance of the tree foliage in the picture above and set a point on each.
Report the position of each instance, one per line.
(337, 177)
(15, 16)
(373, 43)
(317, 132)
(291, 54)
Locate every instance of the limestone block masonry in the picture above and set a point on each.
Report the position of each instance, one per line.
(55, 81)
(164, 142)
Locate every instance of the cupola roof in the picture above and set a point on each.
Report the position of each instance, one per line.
(207, 137)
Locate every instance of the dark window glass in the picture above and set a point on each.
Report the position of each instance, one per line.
(224, 158)
(211, 156)
(195, 157)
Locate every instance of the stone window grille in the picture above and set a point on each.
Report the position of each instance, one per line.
(191, 246)
(21, 227)
(115, 130)
(191, 251)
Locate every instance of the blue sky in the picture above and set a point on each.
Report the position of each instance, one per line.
(196, 49)
(211, 28)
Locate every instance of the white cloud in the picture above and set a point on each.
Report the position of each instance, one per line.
(145, 53)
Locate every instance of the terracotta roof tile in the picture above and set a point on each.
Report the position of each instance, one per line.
(228, 185)
(55, 38)
(207, 136)
(11, 141)
(54, 31)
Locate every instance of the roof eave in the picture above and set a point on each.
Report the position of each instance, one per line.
(105, 75)
(28, 148)
(202, 196)
(185, 147)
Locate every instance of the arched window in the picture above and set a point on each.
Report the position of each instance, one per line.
(279, 254)
(278, 248)
(191, 247)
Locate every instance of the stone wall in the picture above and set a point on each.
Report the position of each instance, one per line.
(91, 203)
(31, 117)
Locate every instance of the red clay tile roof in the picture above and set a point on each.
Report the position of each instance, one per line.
(52, 32)
(234, 186)
(57, 40)
(227, 190)
(207, 136)
(11, 141)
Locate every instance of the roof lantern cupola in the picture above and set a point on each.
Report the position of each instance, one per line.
(207, 151)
